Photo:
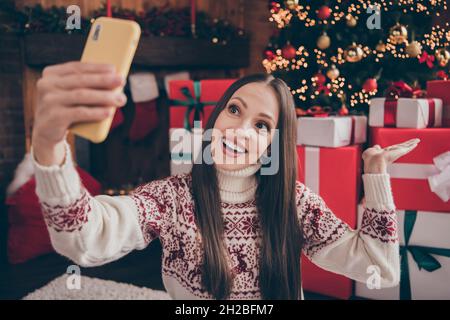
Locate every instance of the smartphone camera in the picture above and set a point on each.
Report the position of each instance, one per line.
(96, 32)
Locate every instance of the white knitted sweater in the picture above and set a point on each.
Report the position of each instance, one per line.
(93, 231)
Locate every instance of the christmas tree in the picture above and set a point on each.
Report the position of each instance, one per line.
(339, 53)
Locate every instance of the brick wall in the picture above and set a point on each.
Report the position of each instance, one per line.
(256, 22)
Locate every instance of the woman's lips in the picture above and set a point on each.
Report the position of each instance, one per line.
(228, 152)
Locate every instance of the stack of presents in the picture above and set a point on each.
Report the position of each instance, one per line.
(329, 152)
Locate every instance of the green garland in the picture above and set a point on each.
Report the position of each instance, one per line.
(156, 21)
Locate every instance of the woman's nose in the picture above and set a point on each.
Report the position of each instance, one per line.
(244, 126)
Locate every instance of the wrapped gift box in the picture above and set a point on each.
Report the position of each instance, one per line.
(188, 96)
(425, 258)
(331, 131)
(334, 174)
(411, 173)
(405, 113)
(184, 145)
(441, 89)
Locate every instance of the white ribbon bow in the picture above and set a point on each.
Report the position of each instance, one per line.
(440, 183)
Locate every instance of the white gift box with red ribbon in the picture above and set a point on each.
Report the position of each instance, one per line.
(183, 145)
(405, 113)
(331, 131)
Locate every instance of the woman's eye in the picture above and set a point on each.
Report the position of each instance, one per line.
(262, 125)
(233, 108)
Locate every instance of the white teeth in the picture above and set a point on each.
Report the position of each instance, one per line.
(233, 146)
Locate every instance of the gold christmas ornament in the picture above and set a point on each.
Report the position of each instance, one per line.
(323, 41)
(442, 57)
(351, 21)
(333, 72)
(398, 34)
(381, 47)
(291, 4)
(354, 53)
(414, 49)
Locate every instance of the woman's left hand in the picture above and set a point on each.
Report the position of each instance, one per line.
(376, 158)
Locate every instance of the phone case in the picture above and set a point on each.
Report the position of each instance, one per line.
(112, 41)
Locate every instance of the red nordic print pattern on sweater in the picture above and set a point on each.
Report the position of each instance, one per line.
(166, 210)
(320, 226)
(68, 218)
(381, 225)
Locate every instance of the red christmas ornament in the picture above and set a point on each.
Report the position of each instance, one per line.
(343, 111)
(288, 51)
(275, 6)
(442, 75)
(269, 54)
(370, 85)
(320, 78)
(324, 12)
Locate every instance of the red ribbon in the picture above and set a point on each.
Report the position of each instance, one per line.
(428, 58)
(400, 89)
(390, 113)
(431, 112)
(323, 88)
(108, 8)
(352, 136)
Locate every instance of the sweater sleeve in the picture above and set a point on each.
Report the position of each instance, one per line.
(334, 246)
(94, 230)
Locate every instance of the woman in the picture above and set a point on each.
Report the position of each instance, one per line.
(228, 231)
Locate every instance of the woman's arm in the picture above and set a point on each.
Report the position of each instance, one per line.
(374, 248)
(93, 231)
(334, 246)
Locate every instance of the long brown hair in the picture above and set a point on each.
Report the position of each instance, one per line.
(279, 265)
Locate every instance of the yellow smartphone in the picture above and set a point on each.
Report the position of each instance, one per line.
(113, 41)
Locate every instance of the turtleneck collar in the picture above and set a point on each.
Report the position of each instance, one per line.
(238, 185)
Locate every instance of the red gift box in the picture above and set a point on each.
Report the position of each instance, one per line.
(210, 91)
(334, 174)
(441, 89)
(409, 174)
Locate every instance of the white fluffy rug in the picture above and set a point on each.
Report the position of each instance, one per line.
(95, 289)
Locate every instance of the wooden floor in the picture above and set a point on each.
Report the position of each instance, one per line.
(140, 268)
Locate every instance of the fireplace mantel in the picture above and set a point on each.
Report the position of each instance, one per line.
(41, 49)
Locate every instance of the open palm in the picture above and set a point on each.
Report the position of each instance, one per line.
(376, 158)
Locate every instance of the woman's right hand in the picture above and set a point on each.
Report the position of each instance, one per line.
(69, 93)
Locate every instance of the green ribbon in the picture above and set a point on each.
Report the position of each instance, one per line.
(193, 104)
(421, 255)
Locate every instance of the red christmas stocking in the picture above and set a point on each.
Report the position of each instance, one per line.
(144, 92)
(145, 120)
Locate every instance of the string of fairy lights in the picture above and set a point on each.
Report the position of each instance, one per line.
(282, 16)
(397, 44)
(281, 63)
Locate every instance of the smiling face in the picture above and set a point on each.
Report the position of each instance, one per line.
(245, 128)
